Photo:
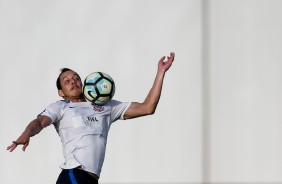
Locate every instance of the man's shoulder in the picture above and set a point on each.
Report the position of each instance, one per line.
(116, 103)
(113, 102)
(59, 103)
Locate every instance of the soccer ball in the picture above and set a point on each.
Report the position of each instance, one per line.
(99, 88)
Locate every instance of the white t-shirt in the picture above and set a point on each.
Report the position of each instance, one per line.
(83, 129)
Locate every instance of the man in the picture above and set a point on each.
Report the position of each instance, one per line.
(83, 127)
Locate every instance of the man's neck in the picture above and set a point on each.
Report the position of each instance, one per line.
(76, 99)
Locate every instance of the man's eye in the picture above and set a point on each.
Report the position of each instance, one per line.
(67, 81)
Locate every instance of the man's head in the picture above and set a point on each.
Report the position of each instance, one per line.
(69, 84)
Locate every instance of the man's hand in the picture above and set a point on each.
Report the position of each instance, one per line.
(21, 140)
(165, 65)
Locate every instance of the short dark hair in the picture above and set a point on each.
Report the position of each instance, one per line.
(58, 82)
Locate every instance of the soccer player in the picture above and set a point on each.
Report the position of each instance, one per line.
(83, 127)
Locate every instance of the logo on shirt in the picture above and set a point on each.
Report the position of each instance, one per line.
(91, 119)
(97, 108)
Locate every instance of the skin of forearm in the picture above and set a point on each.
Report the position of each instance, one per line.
(154, 95)
(33, 128)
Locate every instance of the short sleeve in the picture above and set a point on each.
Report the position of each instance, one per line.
(118, 109)
(54, 111)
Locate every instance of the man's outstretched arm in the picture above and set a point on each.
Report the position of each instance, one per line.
(33, 128)
(149, 105)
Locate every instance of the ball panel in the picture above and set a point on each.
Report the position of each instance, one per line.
(93, 77)
(89, 92)
(104, 86)
(102, 100)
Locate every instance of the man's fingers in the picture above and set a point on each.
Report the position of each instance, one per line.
(24, 146)
(9, 147)
(12, 147)
(171, 56)
(162, 58)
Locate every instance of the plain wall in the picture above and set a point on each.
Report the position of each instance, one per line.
(125, 39)
(245, 79)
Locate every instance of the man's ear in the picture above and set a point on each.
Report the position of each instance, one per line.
(61, 93)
